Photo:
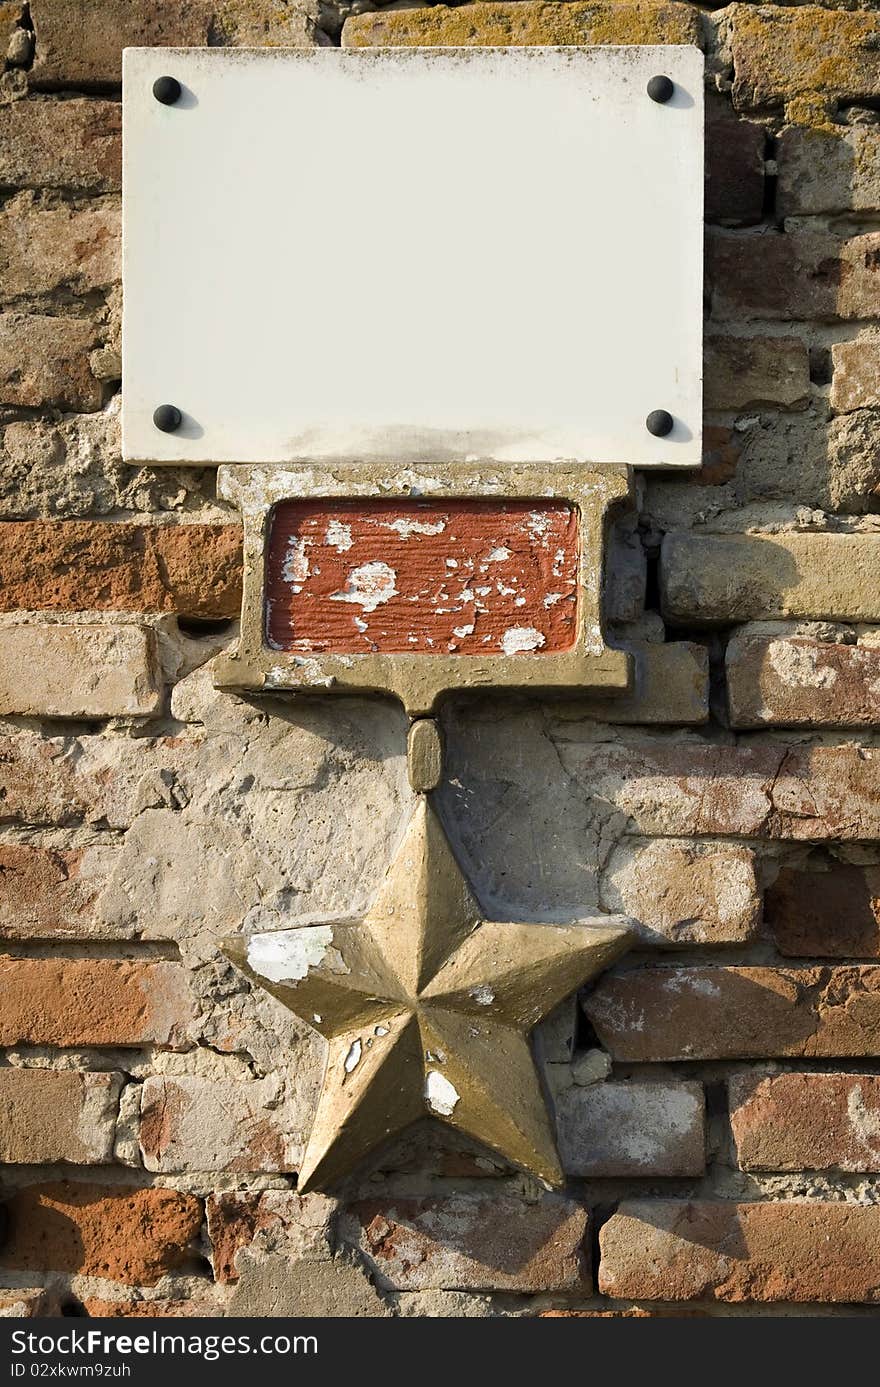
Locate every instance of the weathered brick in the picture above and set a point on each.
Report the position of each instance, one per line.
(734, 168)
(833, 913)
(45, 361)
(742, 371)
(57, 1115)
(632, 1312)
(49, 893)
(806, 1121)
(527, 22)
(279, 1220)
(802, 458)
(50, 670)
(783, 54)
(99, 780)
(471, 1243)
(111, 1231)
(71, 468)
(190, 1123)
(684, 893)
(797, 682)
(80, 42)
(855, 382)
(797, 1251)
(670, 685)
(554, 1039)
(152, 1309)
(658, 1013)
(43, 249)
(835, 168)
(631, 1129)
(722, 579)
(94, 1001)
(722, 448)
(626, 572)
(28, 1303)
(688, 789)
(194, 570)
(75, 144)
(799, 275)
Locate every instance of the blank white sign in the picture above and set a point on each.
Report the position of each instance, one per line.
(413, 255)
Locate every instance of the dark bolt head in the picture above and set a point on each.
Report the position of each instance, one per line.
(661, 89)
(659, 422)
(168, 418)
(167, 90)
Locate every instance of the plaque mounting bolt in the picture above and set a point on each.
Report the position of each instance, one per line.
(661, 89)
(659, 422)
(168, 418)
(167, 90)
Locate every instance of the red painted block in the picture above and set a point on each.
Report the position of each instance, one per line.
(422, 577)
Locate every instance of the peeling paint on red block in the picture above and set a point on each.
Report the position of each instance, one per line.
(422, 577)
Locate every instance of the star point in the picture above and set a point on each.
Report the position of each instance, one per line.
(427, 1007)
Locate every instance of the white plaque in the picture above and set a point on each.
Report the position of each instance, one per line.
(413, 255)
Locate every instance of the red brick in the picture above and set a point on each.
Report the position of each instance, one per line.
(27, 1304)
(75, 144)
(833, 913)
(111, 1231)
(43, 894)
(53, 1001)
(57, 1115)
(422, 577)
(45, 361)
(801, 275)
(806, 1121)
(737, 1013)
(797, 1251)
(80, 42)
(471, 1243)
(75, 565)
(795, 682)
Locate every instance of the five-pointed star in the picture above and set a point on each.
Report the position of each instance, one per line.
(427, 1008)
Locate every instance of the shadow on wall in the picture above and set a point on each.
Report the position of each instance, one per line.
(526, 833)
(340, 722)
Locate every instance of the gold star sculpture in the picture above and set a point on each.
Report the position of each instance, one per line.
(427, 1008)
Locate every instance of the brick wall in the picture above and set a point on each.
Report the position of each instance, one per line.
(718, 1096)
